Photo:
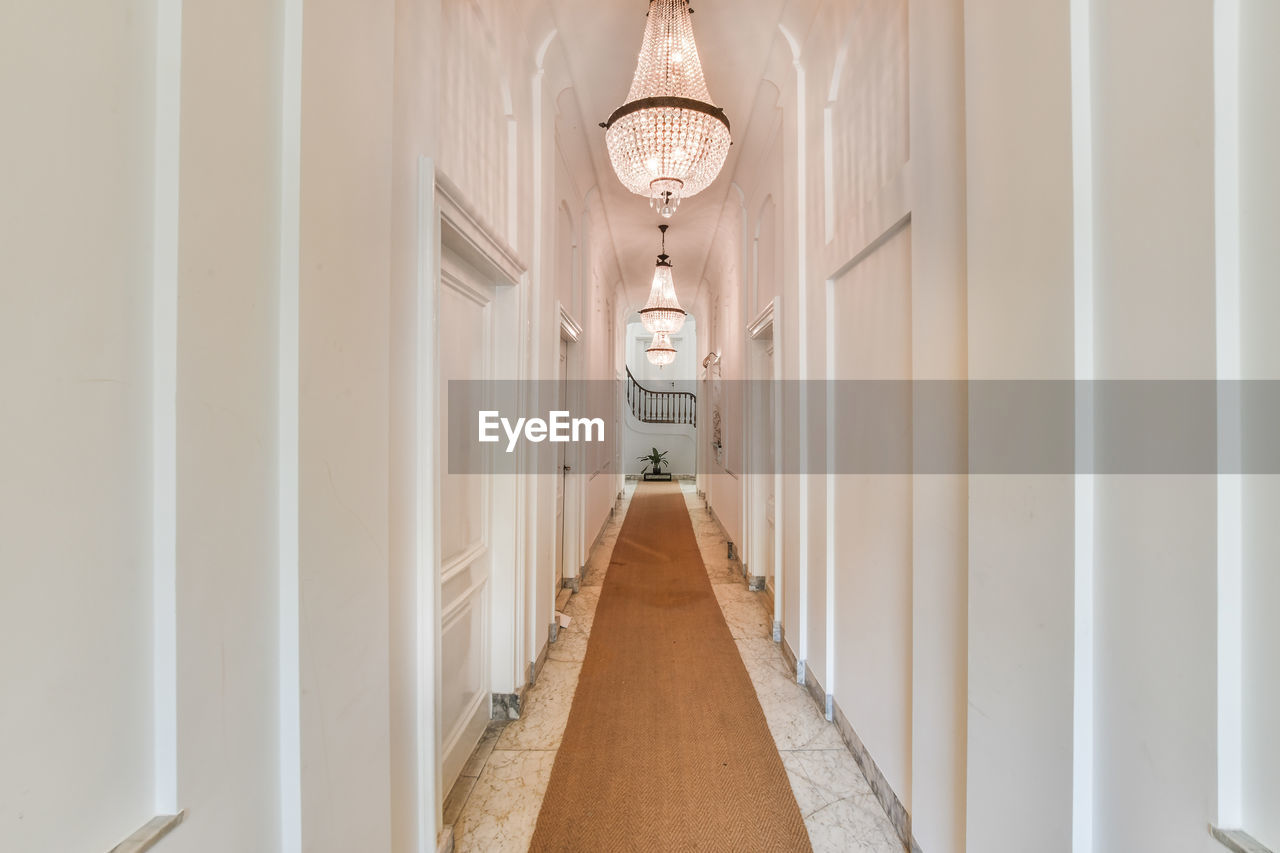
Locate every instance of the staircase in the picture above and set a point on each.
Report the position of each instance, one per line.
(661, 407)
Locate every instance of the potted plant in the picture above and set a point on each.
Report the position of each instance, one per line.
(655, 459)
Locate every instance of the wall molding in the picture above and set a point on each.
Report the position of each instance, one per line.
(570, 329)
(763, 323)
(470, 236)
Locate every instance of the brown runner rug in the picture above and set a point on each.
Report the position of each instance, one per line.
(666, 747)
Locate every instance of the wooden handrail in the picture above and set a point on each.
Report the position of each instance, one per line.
(661, 407)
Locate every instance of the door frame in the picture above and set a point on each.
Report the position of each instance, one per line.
(446, 219)
(763, 333)
(569, 330)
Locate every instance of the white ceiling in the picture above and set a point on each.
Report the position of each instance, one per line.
(601, 40)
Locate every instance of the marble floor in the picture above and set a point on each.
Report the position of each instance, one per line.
(495, 804)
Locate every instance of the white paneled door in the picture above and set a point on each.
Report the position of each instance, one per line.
(562, 404)
(466, 330)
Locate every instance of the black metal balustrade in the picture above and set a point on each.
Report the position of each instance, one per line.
(661, 407)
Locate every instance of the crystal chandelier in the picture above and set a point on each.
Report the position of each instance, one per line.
(661, 351)
(668, 141)
(662, 313)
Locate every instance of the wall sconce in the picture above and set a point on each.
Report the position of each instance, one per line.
(713, 358)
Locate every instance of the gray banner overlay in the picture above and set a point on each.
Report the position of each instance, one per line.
(882, 426)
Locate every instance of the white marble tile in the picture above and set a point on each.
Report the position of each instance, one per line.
(502, 811)
(839, 808)
(743, 611)
(794, 720)
(569, 646)
(706, 526)
(764, 660)
(458, 796)
(820, 777)
(546, 709)
(481, 753)
(724, 571)
(582, 607)
(852, 826)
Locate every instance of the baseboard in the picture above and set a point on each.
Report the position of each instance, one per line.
(508, 706)
(793, 663)
(767, 594)
(817, 692)
(535, 668)
(149, 834)
(1238, 841)
(733, 551)
(505, 706)
(574, 583)
(898, 814)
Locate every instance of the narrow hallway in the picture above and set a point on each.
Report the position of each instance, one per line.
(497, 802)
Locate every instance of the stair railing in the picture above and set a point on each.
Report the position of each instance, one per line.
(661, 407)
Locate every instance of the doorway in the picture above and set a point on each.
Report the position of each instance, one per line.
(763, 453)
(562, 467)
(466, 315)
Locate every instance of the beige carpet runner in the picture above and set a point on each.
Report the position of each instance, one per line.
(666, 747)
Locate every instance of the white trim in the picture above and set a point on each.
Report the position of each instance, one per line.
(1082, 781)
(1230, 538)
(455, 564)
(829, 481)
(802, 361)
(288, 354)
(762, 324)
(570, 329)
(430, 803)
(476, 241)
(164, 405)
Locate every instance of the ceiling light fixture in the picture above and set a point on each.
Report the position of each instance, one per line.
(662, 313)
(668, 141)
(661, 351)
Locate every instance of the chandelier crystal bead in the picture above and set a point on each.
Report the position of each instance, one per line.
(668, 141)
(661, 351)
(662, 313)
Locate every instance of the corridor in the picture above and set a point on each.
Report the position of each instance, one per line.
(495, 804)
(502, 425)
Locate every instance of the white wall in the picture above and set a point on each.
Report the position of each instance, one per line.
(75, 505)
(860, 101)
(869, 518)
(227, 583)
(1156, 667)
(1021, 532)
(677, 441)
(290, 236)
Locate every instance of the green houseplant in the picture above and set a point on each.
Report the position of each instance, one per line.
(654, 458)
